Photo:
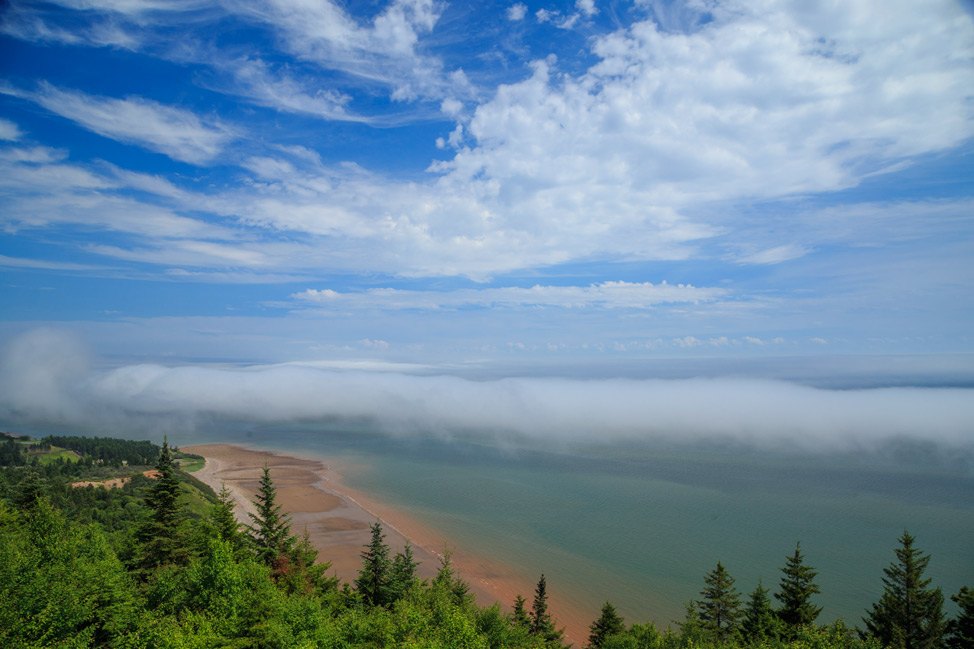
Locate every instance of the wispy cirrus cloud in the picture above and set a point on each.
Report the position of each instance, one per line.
(610, 295)
(175, 132)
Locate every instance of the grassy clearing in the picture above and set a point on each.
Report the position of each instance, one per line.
(190, 463)
(57, 453)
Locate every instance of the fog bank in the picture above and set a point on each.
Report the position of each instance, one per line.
(47, 377)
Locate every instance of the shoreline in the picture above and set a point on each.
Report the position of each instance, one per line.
(337, 518)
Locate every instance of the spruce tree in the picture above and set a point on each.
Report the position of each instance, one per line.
(223, 520)
(374, 577)
(271, 531)
(960, 630)
(161, 534)
(403, 576)
(760, 622)
(519, 615)
(910, 613)
(541, 622)
(720, 606)
(609, 623)
(795, 592)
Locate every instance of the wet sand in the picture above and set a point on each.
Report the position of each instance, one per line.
(337, 519)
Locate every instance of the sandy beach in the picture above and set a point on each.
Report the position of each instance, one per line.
(337, 519)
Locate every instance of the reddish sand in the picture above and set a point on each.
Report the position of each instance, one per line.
(337, 519)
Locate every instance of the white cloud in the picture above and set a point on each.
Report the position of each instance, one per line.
(775, 255)
(610, 295)
(586, 7)
(45, 376)
(386, 51)
(255, 81)
(9, 131)
(517, 11)
(175, 132)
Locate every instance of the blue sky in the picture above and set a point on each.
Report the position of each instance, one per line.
(488, 184)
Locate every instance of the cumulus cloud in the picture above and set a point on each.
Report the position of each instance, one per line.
(517, 11)
(45, 377)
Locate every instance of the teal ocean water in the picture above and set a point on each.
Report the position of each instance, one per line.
(641, 525)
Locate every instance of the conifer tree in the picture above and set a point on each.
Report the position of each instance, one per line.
(609, 623)
(519, 616)
(403, 576)
(161, 534)
(720, 606)
(910, 613)
(541, 622)
(960, 630)
(223, 520)
(271, 531)
(447, 579)
(760, 622)
(795, 592)
(374, 577)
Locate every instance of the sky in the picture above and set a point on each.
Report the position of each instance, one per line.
(623, 190)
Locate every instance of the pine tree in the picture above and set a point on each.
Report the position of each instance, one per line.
(161, 534)
(271, 531)
(519, 616)
(403, 577)
(609, 623)
(720, 606)
(796, 589)
(541, 622)
(447, 579)
(910, 613)
(960, 630)
(760, 622)
(373, 579)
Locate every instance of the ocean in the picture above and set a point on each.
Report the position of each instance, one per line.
(641, 524)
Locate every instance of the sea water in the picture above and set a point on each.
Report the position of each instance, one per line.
(640, 525)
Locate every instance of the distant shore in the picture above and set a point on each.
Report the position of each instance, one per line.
(337, 519)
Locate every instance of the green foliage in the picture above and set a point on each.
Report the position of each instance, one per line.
(519, 614)
(542, 625)
(108, 450)
(403, 578)
(271, 531)
(760, 622)
(162, 535)
(720, 607)
(795, 592)
(60, 583)
(608, 624)
(909, 615)
(960, 630)
(374, 578)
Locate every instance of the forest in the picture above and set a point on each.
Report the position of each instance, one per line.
(160, 561)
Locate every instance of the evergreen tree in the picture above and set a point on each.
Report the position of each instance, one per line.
(760, 622)
(609, 623)
(403, 576)
(223, 520)
(30, 489)
(161, 534)
(541, 622)
(795, 592)
(447, 580)
(960, 630)
(519, 616)
(271, 531)
(374, 577)
(720, 606)
(910, 613)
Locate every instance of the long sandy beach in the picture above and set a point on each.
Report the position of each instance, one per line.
(337, 519)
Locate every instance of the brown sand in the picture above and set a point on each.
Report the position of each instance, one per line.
(337, 519)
